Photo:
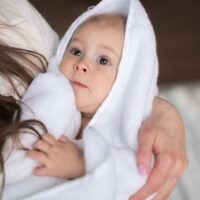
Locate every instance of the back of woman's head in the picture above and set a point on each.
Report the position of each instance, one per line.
(18, 68)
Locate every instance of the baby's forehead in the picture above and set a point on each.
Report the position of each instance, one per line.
(106, 20)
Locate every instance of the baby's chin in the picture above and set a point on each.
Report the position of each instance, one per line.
(87, 115)
(87, 112)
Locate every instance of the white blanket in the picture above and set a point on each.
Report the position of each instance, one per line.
(110, 139)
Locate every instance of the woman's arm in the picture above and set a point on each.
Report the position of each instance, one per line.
(163, 135)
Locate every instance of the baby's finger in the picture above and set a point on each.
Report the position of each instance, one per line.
(38, 156)
(41, 171)
(41, 145)
(49, 138)
(63, 139)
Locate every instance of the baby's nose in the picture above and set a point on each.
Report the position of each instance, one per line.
(81, 67)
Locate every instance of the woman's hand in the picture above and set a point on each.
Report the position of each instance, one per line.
(59, 158)
(162, 134)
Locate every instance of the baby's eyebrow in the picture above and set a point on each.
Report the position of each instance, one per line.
(72, 41)
(111, 50)
(75, 40)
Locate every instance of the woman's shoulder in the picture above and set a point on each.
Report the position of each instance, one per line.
(22, 26)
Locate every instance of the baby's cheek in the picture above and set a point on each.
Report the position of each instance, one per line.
(65, 70)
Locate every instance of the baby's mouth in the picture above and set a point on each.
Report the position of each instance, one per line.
(78, 84)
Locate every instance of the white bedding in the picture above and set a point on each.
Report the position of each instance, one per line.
(186, 97)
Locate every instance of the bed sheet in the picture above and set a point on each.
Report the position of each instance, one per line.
(186, 97)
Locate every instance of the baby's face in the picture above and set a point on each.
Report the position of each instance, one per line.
(91, 63)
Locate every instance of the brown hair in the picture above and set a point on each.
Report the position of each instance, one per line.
(16, 66)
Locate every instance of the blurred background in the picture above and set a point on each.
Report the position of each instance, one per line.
(177, 27)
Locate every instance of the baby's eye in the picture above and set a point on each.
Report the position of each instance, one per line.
(104, 61)
(76, 52)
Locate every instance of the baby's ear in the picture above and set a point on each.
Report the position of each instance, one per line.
(63, 139)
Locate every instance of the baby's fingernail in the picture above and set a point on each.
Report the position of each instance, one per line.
(142, 170)
(28, 154)
(63, 138)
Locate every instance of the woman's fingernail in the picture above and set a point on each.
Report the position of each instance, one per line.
(142, 170)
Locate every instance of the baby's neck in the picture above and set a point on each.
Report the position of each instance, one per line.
(85, 119)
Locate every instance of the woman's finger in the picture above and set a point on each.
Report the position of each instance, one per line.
(156, 178)
(145, 149)
(165, 191)
(177, 170)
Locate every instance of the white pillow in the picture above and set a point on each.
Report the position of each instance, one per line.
(22, 26)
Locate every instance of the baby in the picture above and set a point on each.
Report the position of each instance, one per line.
(106, 69)
(91, 65)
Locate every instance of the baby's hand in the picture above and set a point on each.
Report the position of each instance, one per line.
(59, 158)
